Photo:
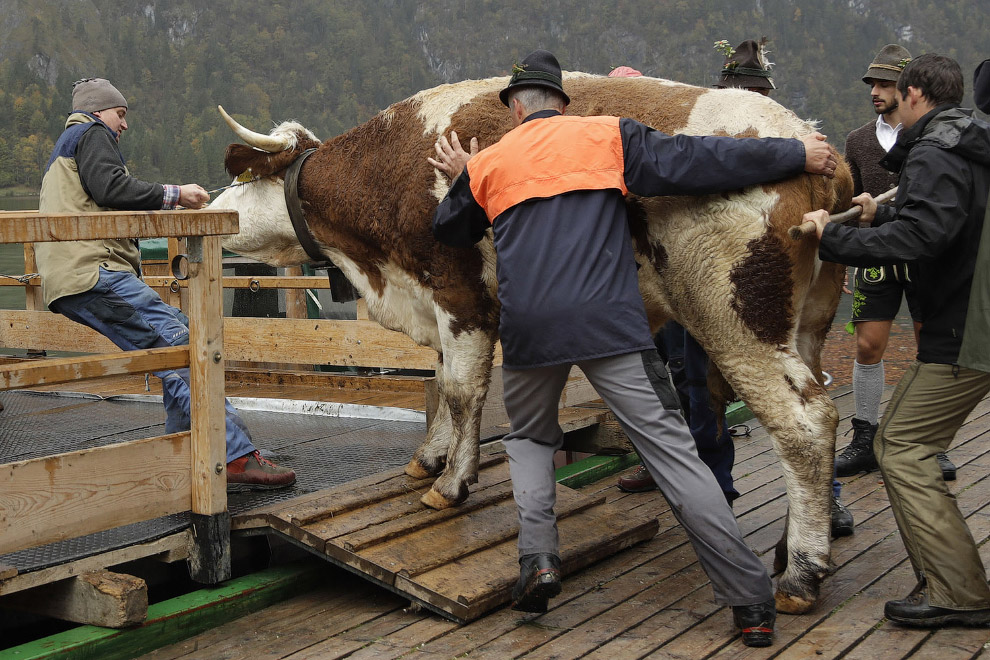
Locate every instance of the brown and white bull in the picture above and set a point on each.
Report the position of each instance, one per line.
(759, 302)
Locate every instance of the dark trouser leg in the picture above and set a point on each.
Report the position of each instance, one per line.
(130, 314)
(714, 447)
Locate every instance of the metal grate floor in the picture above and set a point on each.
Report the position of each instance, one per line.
(324, 451)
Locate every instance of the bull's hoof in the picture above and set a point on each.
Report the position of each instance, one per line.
(415, 470)
(791, 604)
(435, 500)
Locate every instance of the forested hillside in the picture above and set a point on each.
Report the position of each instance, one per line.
(333, 64)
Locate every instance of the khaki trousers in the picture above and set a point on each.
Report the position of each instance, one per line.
(929, 405)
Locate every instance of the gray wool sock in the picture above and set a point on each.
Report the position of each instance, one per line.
(868, 390)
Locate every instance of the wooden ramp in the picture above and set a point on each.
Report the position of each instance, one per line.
(460, 562)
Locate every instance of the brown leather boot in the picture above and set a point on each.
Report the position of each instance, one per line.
(639, 481)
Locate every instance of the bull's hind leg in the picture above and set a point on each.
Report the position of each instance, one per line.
(431, 456)
(467, 366)
(790, 402)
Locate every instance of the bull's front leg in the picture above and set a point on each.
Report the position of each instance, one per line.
(466, 367)
(431, 456)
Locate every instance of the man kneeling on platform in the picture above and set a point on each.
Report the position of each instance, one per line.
(97, 283)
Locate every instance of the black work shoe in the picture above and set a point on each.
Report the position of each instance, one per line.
(946, 466)
(842, 520)
(756, 622)
(639, 481)
(915, 611)
(858, 455)
(539, 581)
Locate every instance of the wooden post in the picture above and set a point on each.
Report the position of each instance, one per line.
(175, 297)
(33, 299)
(295, 299)
(209, 558)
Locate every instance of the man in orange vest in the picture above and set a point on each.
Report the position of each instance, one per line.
(552, 191)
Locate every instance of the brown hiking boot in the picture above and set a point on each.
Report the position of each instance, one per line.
(255, 472)
(639, 481)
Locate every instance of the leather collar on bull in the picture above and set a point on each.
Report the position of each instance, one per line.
(341, 289)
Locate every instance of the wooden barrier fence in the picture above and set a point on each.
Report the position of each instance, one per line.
(72, 494)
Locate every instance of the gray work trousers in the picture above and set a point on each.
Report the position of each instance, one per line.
(637, 389)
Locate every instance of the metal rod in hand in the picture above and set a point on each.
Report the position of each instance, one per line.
(807, 228)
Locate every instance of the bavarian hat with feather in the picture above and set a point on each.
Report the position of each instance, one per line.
(538, 69)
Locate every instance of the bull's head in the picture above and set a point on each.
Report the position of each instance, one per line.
(266, 232)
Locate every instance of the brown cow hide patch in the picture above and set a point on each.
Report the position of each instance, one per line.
(240, 158)
(763, 288)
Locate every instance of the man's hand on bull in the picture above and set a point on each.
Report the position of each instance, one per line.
(818, 156)
(451, 158)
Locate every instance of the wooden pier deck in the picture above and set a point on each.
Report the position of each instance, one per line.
(651, 600)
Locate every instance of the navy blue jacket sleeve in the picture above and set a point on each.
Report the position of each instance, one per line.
(661, 164)
(104, 178)
(928, 218)
(459, 220)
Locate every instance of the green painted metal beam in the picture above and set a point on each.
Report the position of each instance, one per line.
(178, 618)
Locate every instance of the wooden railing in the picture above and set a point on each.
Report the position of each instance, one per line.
(77, 493)
(292, 340)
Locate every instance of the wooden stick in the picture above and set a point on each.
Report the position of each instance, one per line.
(808, 228)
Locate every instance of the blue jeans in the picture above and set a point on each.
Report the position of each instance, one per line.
(129, 313)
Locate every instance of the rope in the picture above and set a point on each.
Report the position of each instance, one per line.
(232, 185)
(23, 279)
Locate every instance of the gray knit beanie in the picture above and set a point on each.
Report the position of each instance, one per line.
(95, 94)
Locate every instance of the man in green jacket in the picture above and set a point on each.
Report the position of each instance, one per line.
(97, 283)
(943, 155)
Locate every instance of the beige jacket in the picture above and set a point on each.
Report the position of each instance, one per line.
(70, 267)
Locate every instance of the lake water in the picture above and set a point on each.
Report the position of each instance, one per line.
(12, 255)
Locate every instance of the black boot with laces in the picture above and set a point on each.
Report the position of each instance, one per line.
(858, 456)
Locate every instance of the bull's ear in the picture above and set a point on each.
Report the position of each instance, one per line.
(236, 159)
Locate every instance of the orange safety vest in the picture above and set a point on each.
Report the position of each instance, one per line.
(548, 157)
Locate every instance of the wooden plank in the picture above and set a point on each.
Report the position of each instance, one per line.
(404, 514)
(291, 282)
(322, 341)
(476, 583)
(31, 227)
(452, 539)
(308, 341)
(68, 495)
(327, 380)
(172, 548)
(368, 533)
(28, 329)
(98, 598)
(65, 370)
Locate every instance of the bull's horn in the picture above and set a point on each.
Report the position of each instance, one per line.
(267, 143)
